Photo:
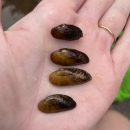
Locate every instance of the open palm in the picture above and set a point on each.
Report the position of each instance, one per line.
(25, 66)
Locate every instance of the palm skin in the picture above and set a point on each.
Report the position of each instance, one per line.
(26, 65)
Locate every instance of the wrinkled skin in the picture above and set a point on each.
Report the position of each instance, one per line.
(25, 66)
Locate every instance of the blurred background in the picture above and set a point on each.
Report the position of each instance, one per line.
(13, 10)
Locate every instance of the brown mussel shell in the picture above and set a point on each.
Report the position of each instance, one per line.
(68, 57)
(69, 76)
(56, 103)
(66, 32)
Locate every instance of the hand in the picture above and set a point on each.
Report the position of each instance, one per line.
(25, 63)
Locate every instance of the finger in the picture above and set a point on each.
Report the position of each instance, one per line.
(114, 19)
(121, 52)
(60, 8)
(94, 9)
(74, 4)
(51, 12)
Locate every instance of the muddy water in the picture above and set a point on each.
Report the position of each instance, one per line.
(13, 10)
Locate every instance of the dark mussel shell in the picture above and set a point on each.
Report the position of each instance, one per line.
(66, 32)
(69, 76)
(56, 103)
(68, 57)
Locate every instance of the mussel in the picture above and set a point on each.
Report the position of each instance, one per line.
(69, 76)
(66, 32)
(69, 57)
(56, 103)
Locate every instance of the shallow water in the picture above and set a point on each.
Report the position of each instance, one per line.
(13, 10)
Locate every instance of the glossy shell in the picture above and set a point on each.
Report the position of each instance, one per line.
(66, 32)
(56, 103)
(68, 57)
(69, 76)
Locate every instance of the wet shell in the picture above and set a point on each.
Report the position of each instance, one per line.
(66, 32)
(69, 76)
(56, 103)
(68, 57)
